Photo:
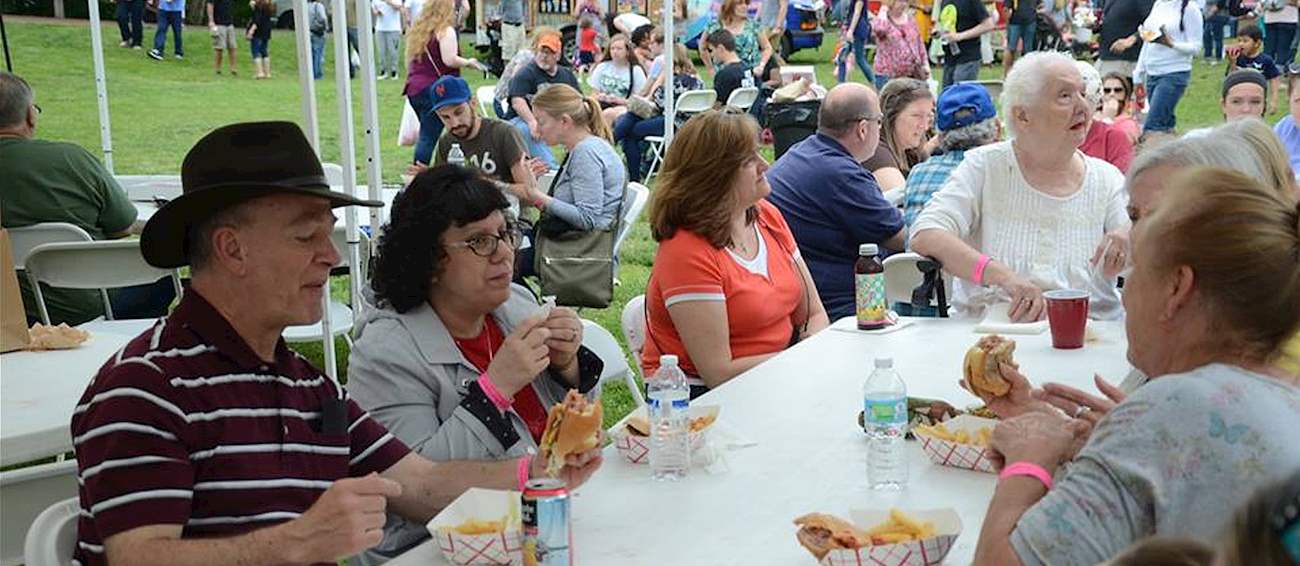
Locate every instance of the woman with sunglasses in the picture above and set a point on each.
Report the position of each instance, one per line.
(451, 357)
(728, 289)
(1116, 96)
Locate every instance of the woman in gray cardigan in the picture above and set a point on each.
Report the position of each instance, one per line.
(456, 361)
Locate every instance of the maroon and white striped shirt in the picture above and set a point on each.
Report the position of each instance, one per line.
(187, 426)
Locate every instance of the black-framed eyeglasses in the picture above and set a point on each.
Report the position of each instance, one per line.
(486, 245)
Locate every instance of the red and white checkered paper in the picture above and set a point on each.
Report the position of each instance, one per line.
(636, 448)
(495, 549)
(914, 553)
(949, 453)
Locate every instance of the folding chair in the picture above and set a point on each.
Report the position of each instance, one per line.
(743, 98)
(98, 265)
(600, 341)
(52, 537)
(26, 238)
(27, 494)
(690, 102)
(487, 99)
(910, 279)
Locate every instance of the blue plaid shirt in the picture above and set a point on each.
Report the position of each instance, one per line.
(926, 179)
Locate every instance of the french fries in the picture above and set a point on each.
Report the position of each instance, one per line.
(962, 436)
(701, 423)
(900, 528)
(479, 527)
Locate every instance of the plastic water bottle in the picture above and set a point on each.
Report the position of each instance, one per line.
(456, 156)
(884, 400)
(670, 421)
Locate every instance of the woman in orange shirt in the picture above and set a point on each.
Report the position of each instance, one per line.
(729, 288)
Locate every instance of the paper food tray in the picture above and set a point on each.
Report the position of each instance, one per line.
(922, 552)
(636, 448)
(949, 453)
(496, 549)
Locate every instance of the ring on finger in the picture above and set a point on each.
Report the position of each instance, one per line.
(1080, 410)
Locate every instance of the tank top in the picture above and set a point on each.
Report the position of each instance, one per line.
(426, 68)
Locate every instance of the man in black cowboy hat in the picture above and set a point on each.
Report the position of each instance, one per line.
(206, 440)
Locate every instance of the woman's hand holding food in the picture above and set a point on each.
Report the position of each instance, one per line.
(522, 356)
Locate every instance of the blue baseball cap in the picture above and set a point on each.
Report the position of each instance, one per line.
(961, 105)
(449, 90)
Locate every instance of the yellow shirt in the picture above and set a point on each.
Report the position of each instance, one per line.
(1290, 360)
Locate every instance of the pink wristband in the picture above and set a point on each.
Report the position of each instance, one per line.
(490, 389)
(1027, 469)
(978, 275)
(521, 472)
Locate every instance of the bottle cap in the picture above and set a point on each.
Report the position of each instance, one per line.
(668, 360)
(884, 363)
(868, 249)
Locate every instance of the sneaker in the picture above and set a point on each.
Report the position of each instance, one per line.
(180, 57)
(124, 44)
(155, 54)
(136, 47)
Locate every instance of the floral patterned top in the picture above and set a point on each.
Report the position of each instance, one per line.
(899, 50)
(747, 47)
(1173, 459)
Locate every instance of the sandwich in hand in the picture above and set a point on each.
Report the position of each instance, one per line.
(572, 426)
(982, 368)
(821, 533)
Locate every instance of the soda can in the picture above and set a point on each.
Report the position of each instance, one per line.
(548, 533)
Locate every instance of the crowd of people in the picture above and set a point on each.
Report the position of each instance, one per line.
(1193, 241)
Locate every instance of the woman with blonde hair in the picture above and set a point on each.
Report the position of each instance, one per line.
(752, 46)
(1213, 295)
(728, 289)
(432, 50)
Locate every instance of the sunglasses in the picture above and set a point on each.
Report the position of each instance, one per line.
(1113, 90)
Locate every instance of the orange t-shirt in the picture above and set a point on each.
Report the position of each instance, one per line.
(759, 308)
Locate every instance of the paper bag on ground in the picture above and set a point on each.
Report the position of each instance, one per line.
(13, 319)
(922, 552)
(949, 452)
(493, 518)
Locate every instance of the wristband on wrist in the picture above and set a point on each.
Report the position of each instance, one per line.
(493, 394)
(539, 203)
(521, 472)
(1030, 469)
(978, 275)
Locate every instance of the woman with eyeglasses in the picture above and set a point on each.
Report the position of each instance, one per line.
(451, 357)
(728, 289)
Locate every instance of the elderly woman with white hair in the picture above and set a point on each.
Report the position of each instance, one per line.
(1034, 213)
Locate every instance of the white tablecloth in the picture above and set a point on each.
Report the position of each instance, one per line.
(39, 390)
(801, 408)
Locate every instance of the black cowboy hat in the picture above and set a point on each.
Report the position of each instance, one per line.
(230, 165)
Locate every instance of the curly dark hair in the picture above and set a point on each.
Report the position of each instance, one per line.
(410, 244)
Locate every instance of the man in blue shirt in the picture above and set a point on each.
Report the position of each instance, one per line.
(831, 203)
(171, 14)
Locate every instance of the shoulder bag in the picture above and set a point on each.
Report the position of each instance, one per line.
(576, 266)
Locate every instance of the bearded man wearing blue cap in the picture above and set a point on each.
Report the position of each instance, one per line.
(489, 145)
(966, 120)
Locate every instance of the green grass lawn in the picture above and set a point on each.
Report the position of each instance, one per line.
(159, 109)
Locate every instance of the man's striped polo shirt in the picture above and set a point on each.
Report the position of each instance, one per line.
(187, 426)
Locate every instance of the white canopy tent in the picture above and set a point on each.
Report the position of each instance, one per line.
(370, 116)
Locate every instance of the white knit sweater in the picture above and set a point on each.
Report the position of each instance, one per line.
(1048, 240)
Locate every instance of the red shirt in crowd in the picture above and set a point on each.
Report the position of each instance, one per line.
(1108, 143)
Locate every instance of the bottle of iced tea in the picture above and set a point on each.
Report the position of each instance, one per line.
(869, 289)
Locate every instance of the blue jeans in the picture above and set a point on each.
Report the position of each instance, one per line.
(954, 73)
(168, 19)
(143, 301)
(629, 130)
(1022, 34)
(1212, 37)
(881, 81)
(430, 126)
(1277, 42)
(318, 56)
(859, 49)
(536, 148)
(1165, 91)
(130, 21)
